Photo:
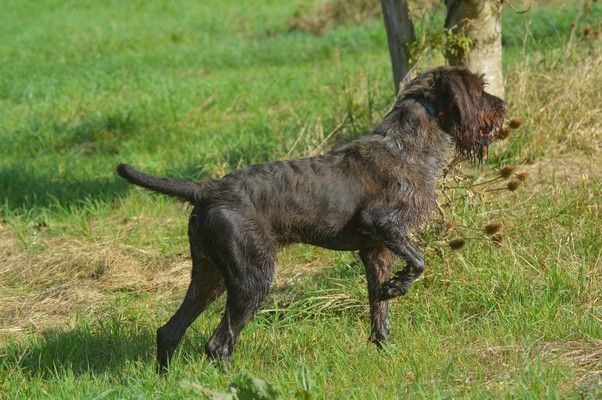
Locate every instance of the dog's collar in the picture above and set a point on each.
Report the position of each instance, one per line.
(430, 107)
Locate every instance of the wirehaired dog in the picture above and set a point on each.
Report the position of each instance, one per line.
(364, 196)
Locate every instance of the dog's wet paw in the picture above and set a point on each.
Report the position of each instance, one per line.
(218, 356)
(378, 339)
(392, 289)
(222, 364)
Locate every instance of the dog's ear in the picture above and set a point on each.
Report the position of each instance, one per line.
(460, 97)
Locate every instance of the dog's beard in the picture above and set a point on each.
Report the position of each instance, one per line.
(475, 147)
(481, 147)
(488, 130)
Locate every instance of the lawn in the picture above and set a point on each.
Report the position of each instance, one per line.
(90, 266)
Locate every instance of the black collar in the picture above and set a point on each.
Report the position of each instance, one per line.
(430, 107)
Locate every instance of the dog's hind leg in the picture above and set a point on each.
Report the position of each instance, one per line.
(206, 285)
(378, 262)
(246, 288)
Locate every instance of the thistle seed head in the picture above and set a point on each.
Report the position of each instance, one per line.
(492, 228)
(513, 185)
(457, 243)
(587, 31)
(522, 176)
(506, 171)
(504, 134)
(515, 123)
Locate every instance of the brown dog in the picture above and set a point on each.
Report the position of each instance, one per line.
(364, 196)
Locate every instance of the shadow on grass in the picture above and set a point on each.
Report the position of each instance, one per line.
(78, 351)
(107, 346)
(24, 188)
(50, 161)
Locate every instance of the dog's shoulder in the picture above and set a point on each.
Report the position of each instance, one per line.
(370, 147)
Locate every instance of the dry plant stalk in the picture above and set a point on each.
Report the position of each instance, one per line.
(507, 180)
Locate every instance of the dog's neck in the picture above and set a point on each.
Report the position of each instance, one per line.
(417, 137)
(430, 107)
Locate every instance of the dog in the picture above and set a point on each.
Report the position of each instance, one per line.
(366, 196)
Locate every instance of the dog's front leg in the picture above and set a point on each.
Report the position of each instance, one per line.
(403, 247)
(384, 225)
(378, 262)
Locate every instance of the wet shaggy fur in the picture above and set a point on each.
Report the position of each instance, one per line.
(364, 196)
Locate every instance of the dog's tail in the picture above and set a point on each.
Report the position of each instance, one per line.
(184, 190)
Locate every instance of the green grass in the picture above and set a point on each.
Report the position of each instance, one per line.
(90, 267)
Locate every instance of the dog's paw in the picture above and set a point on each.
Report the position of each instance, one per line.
(392, 289)
(219, 356)
(223, 364)
(161, 369)
(378, 338)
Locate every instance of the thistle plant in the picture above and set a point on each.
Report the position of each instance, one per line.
(508, 179)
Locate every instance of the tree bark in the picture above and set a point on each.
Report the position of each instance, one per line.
(399, 32)
(480, 20)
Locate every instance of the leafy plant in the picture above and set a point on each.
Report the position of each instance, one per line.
(243, 387)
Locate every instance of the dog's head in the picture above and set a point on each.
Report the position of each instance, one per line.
(471, 116)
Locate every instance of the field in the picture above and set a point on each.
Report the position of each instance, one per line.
(91, 266)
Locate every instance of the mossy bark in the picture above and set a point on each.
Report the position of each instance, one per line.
(481, 21)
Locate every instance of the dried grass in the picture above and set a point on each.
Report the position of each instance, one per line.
(562, 112)
(567, 170)
(49, 288)
(325, 15)
(583, 356)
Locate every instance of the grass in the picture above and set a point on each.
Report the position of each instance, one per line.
(90, 267)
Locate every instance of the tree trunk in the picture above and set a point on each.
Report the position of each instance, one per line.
(399, 32)
(480, 20)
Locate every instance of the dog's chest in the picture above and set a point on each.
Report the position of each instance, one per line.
(413, 195)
